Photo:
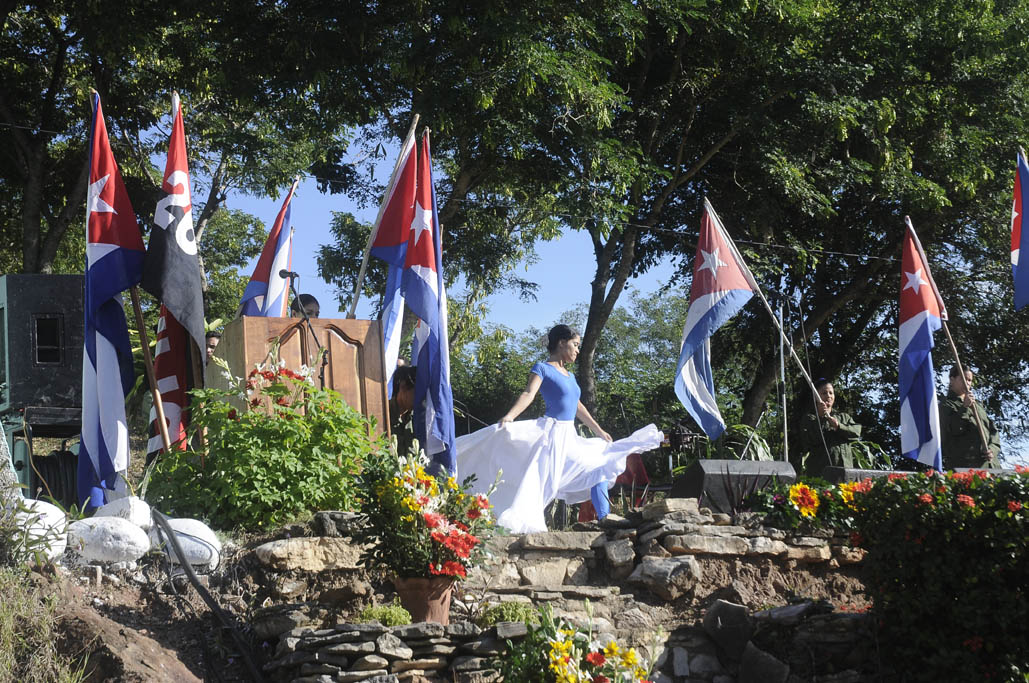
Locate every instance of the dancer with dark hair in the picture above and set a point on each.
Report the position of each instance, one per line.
(544, 459)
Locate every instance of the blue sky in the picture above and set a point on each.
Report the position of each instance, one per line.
(563, 270)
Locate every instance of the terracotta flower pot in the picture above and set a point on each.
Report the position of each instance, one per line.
(426, 599)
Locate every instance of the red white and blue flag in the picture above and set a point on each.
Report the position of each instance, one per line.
(114, 263)
(267, 293)
(921, 313)
(423, 289)
(391, 232)
(1020, 232)
(722, 284)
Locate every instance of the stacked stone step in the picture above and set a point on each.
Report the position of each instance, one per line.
(373, 653)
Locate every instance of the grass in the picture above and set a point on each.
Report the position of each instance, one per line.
(28, 634)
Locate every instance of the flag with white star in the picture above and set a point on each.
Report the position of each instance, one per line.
(114, 263)
(389, 243)
(267, 293)
(921, 313)
(1020, 236)
(423, 289)
(722, 284)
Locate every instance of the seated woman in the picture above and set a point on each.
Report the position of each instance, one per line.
(541, 460)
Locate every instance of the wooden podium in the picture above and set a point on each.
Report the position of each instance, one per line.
(352, 366)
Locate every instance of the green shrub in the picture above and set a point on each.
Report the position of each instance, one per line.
(509, 611)
(946, 566)
(387, 615)
(28, 634)
(297, 450)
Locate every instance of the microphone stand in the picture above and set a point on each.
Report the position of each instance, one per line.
(310, 328)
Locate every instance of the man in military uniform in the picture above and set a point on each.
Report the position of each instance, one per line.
(400, 408)
(838, 429)
(962, 444)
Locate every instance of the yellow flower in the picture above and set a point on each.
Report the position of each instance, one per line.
(611, 649)
(847, 493)
(805, 499)
(630, 658)
(451, 483)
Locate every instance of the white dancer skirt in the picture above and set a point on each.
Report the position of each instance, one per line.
(540, 461)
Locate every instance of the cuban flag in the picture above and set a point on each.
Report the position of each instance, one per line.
(1018, 235)
(267, 293)
(114, 263)
(423, 289)
(391, 232)
(921, 314)
(722, 284)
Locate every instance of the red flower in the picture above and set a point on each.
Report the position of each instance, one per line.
(449, 568)
(460, 526)
(925, 498)
(863, 486)
(268, 375)
(474, 513)
(434, 519)
(482, 502)
(596, 658)
(966, 500)
(1014, 506)
(232, 415)
(896, 475)
(1021, 469)
(601, 679)
(975, 643)
(282, 401)
(255, 402)
(856, 539)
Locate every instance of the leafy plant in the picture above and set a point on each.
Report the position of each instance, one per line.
(387, 615)
(276, 448)
(509, 611)
(809, 502)
(556, 651)
(952, 551)
(420, 525)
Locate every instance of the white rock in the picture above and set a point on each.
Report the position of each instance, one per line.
(130, 508)
(199, 544)
(108, 539)
(45, 526)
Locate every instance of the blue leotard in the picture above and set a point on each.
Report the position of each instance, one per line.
(560, 392)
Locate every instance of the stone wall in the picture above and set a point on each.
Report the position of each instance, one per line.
(737, 602)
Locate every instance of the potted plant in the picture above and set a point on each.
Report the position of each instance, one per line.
(426, 531)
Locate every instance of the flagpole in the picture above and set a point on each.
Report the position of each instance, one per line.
(371, 237)
(757, 288)
(148, 362)
(950, 340)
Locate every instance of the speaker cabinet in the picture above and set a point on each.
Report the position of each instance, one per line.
(722, 484)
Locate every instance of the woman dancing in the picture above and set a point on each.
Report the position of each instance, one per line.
(541, 460)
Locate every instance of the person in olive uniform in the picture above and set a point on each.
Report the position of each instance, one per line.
(962, 445)
(400, 407)
(838, 429)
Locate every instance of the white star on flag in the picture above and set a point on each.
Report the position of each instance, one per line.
(95, 203)
(915, 280)
(711, 262)
(422, 221)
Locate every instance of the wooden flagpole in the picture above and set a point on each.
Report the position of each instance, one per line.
(148, 362)
(382, 207)
(950, 340)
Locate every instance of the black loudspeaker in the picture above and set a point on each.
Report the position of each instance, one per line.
(40, 341)
(839, 475)
(722, 484)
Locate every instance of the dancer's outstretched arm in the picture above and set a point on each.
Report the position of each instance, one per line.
(524, 399)
(587, 419)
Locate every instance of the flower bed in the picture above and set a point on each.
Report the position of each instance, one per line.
(947, 556)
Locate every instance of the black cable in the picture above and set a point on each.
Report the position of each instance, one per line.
(225, 619)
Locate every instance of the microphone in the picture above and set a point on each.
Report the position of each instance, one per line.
(288, 274)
